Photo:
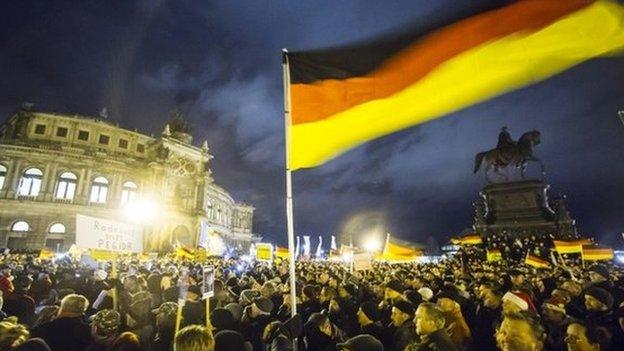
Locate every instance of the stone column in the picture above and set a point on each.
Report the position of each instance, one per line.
(79, 197)
(12, 191)
(48, 193)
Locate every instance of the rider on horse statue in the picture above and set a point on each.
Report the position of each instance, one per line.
(504, 140)
(506, 145)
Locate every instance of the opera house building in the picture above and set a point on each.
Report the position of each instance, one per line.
(54, 167)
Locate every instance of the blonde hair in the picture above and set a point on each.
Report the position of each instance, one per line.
(74, 304)
(194, 338)
(12, 334)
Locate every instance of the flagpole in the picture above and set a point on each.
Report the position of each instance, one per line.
(289, 201)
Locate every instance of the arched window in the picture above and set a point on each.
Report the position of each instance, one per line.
(99, 190)
(3, 172)
(209, 209)
(57, 228)
(128, 193)
(66, 187)
(30, 184)
(219, 214)
(20, 226)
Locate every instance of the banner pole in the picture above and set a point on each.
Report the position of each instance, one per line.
(208, 324)
(289, 200)
(115, 292)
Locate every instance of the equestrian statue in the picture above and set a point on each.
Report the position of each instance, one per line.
(509, 153)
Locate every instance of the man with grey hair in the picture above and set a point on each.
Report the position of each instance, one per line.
(68, 331)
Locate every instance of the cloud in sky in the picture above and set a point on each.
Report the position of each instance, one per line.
(219, 62)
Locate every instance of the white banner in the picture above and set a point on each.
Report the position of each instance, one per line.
(203, 234)
(105, 234)
(306, 246)
(362, 261)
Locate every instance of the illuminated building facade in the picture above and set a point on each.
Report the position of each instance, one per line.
(53, 167)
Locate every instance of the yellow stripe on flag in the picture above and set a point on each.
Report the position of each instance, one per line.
(471, 77)
(536, 262)
(593, 253)
(566, 247)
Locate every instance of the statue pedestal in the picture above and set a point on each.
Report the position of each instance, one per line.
(521, 208)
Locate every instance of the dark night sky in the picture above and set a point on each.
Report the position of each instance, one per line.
(219, 62)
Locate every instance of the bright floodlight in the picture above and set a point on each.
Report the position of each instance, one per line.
(372, 244)
(141, 210)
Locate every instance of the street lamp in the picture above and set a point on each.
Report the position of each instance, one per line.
(142, 210)
(372, 244)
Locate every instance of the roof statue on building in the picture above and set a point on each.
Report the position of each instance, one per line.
(179, 127)
(104, 112)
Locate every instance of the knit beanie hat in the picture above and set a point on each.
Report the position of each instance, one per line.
(106, 321)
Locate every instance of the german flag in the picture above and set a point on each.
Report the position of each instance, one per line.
(471, 239)
(596, 253)
(340, 98)
(400, 250)
(572, 246)
(535, 261)
(494, 255)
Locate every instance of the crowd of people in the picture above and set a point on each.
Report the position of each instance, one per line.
(461, 303)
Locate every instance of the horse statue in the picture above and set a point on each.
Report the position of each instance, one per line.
(509, 153)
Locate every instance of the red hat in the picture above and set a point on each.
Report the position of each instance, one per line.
(521, 299)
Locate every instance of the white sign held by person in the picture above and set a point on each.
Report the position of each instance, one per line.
(208, 283)
(362, 261)
(105, 234)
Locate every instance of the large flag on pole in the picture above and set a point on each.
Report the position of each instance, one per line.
(344, 97)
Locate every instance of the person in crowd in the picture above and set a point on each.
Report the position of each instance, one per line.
(165, 319)
(41, 287)
(12, 334)
(194, 338)
(488, 314)
(430, 328)
(321, 334)
(581, 336)
(401, 328)
(363, 342)
(104, 329)
(126, 341)
(19, 303)
(455, 324)
(368, 319)
(255, 318)
(230, 340)
(520, 331)
(555, 320)
(68, 331)
(6, 279)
